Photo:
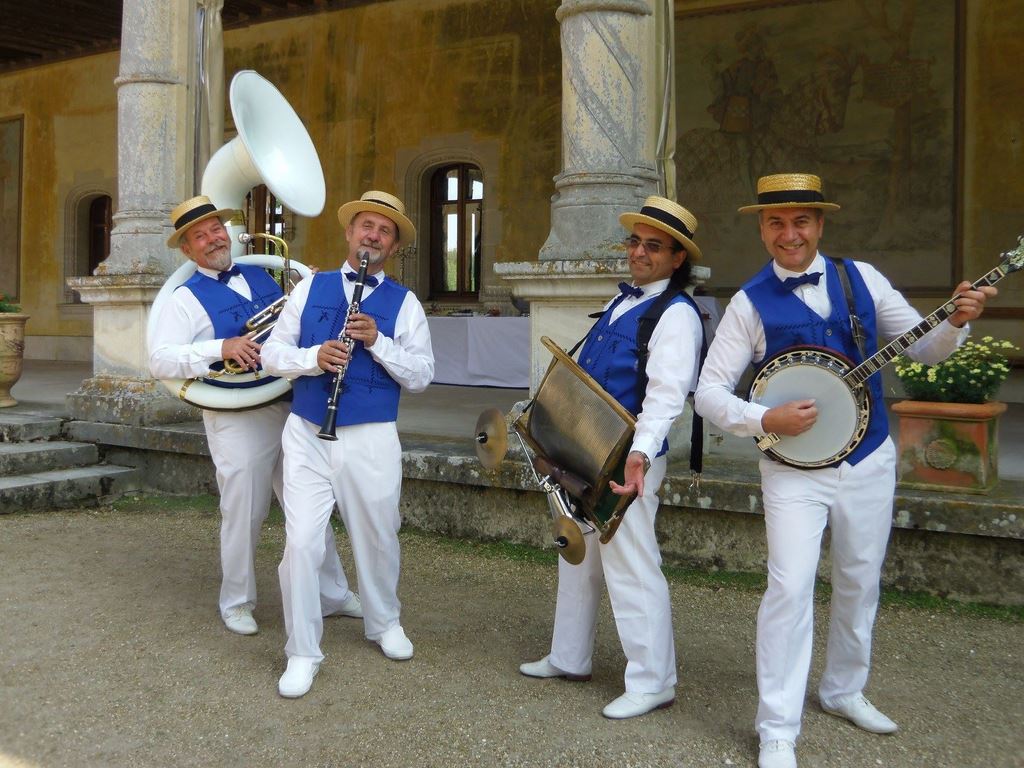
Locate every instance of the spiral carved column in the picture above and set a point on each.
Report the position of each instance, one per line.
(609, 119)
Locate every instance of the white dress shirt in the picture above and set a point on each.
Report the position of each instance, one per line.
(407, 357)
(183, 344)
(740, 340)
(671, 367)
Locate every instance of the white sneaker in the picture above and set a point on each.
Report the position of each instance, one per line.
(352, 607)
(298, 677)
(861, 713)
(634, 704)
(544, 668)
(777, 753)
(240, 621)
(395, 644)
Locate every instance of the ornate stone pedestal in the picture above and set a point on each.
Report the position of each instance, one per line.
(121, 390)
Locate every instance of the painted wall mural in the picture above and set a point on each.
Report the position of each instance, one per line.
(10, 205)
(860, 92)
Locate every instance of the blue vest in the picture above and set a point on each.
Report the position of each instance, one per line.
(228, 310)
(611, 355)
(369, 394)
(788, 322)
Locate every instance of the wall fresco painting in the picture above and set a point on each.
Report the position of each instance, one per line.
(860, 92)
(10, 205)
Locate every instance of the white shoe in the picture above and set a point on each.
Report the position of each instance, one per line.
(395, 644)
(861, 713)
(544, 668)
(240, 621)
(298, 677)
(634, 704)
(352, 607)
(777, 753)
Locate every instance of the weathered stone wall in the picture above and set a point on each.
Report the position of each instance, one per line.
(963, 547)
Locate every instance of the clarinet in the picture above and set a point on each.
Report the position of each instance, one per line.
(328, 428)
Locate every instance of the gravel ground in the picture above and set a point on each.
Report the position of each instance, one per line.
(112, 654)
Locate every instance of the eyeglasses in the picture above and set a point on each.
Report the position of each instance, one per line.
(653, 247)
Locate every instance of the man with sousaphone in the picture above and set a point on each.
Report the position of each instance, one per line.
(798, 321)
(349, 340)
(660, 250)
(198, 327)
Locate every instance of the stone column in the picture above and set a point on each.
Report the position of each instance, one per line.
(609, 125)
(614, 59)
(610, 119)
(154, 119)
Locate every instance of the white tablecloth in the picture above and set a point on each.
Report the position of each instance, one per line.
(481, 351)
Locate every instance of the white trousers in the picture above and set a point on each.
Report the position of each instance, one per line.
(856, 503)
(631, 565)
(361, 472)
(246, 451)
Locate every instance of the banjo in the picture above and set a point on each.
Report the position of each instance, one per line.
(836, 383)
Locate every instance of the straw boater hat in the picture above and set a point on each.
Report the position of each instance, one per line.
(194, 210)
(669, 217)
(385, 205)
(789, 190)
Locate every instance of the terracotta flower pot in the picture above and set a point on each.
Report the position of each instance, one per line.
(12, 354)
(948, 446)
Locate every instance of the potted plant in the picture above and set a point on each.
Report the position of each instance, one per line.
(948, 428)
(12, 347)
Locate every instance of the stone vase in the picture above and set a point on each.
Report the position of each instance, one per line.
(948, 446)
(12, 354)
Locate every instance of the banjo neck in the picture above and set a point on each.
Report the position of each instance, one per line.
(896, 347)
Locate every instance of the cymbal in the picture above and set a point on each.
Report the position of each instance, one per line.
(491, 438)
(569, 540)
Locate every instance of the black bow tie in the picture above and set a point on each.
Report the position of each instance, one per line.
(369, 280)
(807, 277)
(227, 273)
(630, 290)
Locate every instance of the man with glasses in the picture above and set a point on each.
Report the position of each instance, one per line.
(653, 386)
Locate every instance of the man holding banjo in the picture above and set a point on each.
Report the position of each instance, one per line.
(802, 298)
(350, 340)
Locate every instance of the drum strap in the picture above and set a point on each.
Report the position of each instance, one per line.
(855, 325)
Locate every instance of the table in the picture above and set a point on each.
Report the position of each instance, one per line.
(481, 351)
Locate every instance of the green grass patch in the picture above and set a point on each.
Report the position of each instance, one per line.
(524, 553)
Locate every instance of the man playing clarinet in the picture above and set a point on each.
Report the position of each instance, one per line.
(360, 470)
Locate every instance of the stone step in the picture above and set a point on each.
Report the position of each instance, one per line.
(26, 458)
(76, 486)
(15, 427)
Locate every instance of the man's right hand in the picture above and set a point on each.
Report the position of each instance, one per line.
(243, 351)
(332, 353)
(790, 419)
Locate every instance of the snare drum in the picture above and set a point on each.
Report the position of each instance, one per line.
(577, 427)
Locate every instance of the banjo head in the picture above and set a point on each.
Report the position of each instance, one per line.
(813, 374)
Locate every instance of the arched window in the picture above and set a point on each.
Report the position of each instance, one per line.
(88, 221)
(266, 214)
(456, 221)
(100, 210)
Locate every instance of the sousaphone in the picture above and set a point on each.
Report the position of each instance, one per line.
(273, 148)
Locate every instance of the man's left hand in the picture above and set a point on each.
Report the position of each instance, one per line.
(634, 476)
(970, 303)
(362, 328)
